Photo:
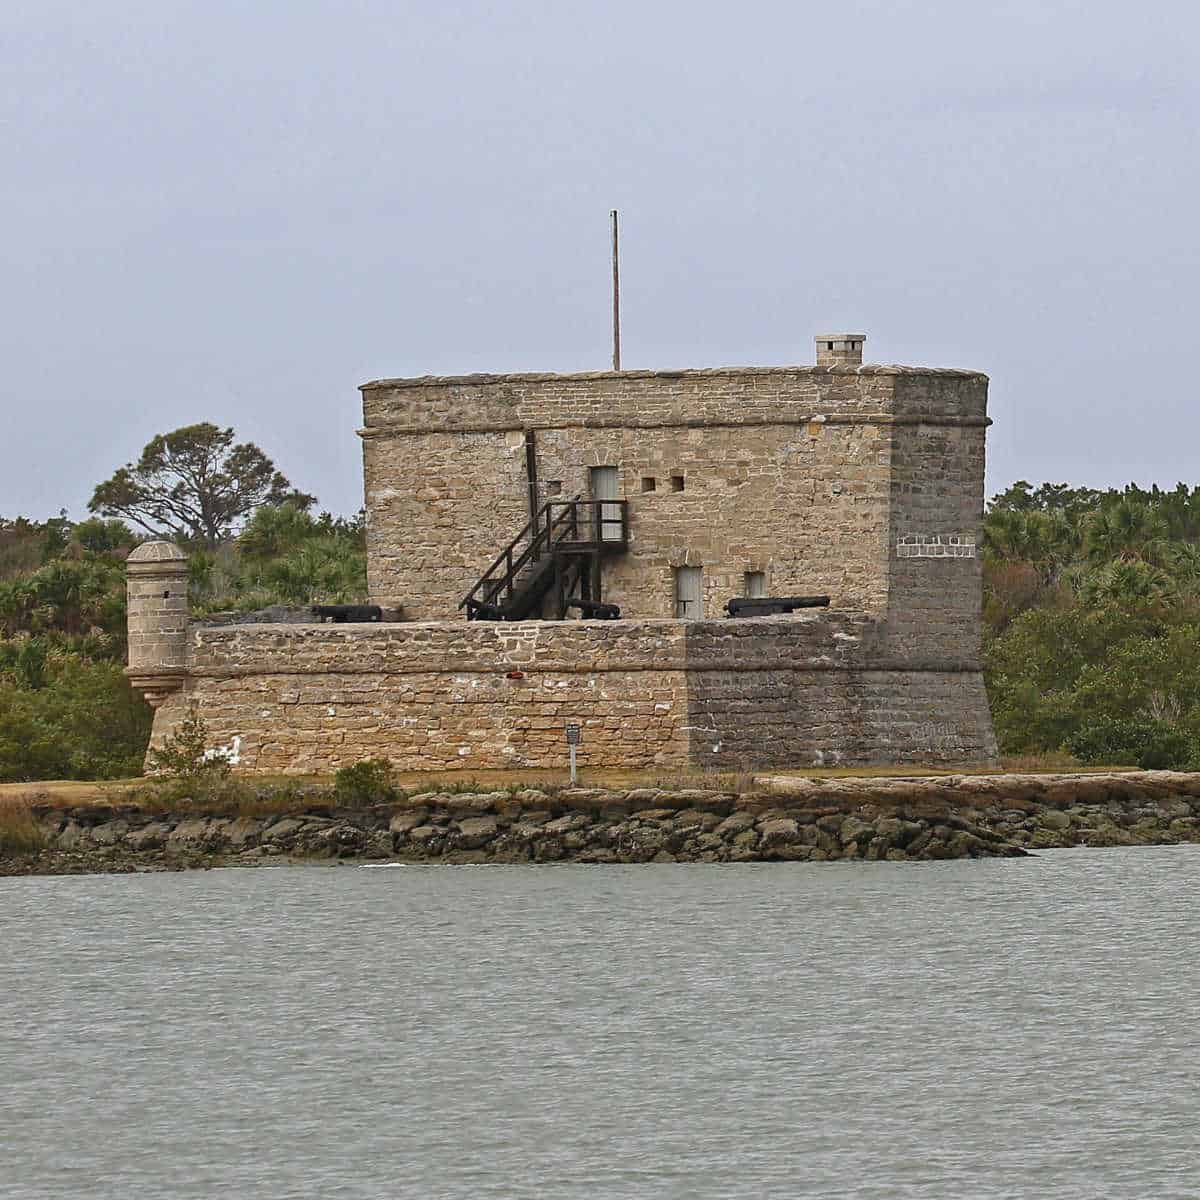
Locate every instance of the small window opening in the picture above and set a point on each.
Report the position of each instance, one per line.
(648, 483)
(754, 584)
(553, 487)
(689, 593)
(677, 483)
(828, 345)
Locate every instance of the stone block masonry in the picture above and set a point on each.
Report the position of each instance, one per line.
(818, 688)
(862, 483)
(806, 476)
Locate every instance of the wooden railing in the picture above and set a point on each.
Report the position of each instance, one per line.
(577, 526)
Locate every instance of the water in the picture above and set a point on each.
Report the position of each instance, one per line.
(967, 1029)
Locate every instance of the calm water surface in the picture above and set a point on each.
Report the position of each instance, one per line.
(968, 1029)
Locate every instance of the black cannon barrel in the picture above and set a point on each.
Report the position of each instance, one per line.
(345, 614)
(767, 606)
(596, 609)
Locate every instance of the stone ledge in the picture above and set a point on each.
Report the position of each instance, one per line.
(1053, 790)
(383, 427)
(483, 380)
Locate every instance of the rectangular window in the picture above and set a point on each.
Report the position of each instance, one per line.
(677, 483)
(649, 484)
(689, 593)
(754, 584)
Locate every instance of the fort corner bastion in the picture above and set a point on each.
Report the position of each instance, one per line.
(511, 518)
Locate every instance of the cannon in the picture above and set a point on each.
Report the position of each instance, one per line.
(769, 606)
(596, 610)
(479, 610)
(345, 614)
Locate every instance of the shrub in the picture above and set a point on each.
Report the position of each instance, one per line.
(1151, 745)
(185, 755)
(19, 831)
(83, 722)
(367, 782)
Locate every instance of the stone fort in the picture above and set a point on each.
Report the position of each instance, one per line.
(510, 518)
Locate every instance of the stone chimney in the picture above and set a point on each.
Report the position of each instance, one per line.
(840, 349)
(156, 589)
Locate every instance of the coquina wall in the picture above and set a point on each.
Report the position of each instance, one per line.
(861, 482)
(811, 475)
(814, 688)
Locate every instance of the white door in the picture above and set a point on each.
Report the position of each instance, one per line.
(689, 593)
(606, 485)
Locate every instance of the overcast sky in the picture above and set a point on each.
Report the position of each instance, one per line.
(238, 212)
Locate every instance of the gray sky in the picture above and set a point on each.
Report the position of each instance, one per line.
(238, 212)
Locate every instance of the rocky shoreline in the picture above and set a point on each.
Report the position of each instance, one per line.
(785, 819)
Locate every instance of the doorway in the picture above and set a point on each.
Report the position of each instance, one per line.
(689, 593)
(605, 483)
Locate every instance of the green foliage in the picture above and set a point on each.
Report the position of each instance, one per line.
(82, 722)
(325, 569)
(196, 483)
(1151, 745)
(284, 556)
(97, 536)
(1092, 622)
(185, 756)
(277, 530)
(366, 782)
(25, 659)
(68, 596)
(24, 545)
(1022, 496)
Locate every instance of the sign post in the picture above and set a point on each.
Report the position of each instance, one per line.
(574, 737)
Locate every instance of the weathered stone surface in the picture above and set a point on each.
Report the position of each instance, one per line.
(779, 832)
(920, 825)
(1053, 819)
(110, 833)
(245, 832)
(343, 839)
(692, 818)
(473, 802)
(192, 834)
(567, 823)
(442, 701)
(405, 822)
(474, 832)
(735, 823)
(148, 837)
(852, 830)
(284, 830)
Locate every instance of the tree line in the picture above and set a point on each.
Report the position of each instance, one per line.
(1092, 623)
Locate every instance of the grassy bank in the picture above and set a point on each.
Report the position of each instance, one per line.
(263, 794)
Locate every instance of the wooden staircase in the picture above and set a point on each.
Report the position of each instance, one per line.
(558, 553)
